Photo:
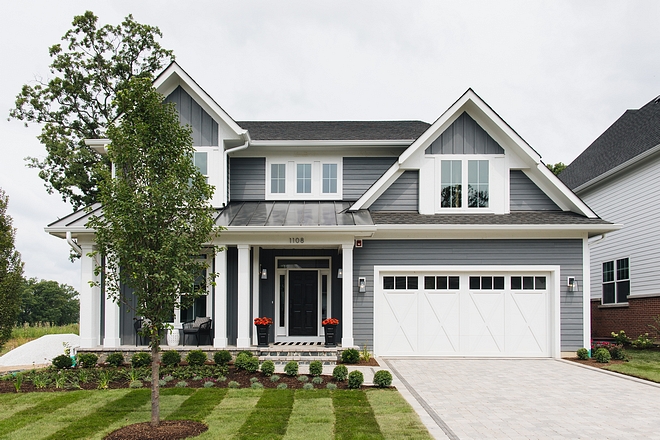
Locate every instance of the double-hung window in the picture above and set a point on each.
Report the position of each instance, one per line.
(453, 174)
(329, 178)
(289, 178)
(278, 178)
(304, 178)
(200, 159)
(616, 281)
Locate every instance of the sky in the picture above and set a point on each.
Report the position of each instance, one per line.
(558, 72)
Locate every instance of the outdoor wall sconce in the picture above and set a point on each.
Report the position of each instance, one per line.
(264, 274)
(362, 285)
(572, 284)
(340, 274)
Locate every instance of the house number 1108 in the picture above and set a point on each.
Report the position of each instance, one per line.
(296, 240)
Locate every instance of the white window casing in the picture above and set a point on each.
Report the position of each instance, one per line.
(298, 183)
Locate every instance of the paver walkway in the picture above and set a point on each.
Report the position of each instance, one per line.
(527, 399)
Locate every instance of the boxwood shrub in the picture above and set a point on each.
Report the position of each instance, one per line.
(602, 355)
(171, 358)
(355, 379)
(316, 368)
(350, 356)
(141, 359)
(222, 357)
(115, 359)
(383, 378)
(268, 368)
(291, 368)
(340, 373)
(62, 361)
(583, 354)
(87, 360)
(196, 357)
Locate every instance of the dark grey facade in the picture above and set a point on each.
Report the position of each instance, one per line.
(204, 128)
(526, 196)
(464, 136)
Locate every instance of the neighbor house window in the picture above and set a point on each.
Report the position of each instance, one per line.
(616, 281)
(329, 178)
(200, 159)
(304, 178)
(278, 178)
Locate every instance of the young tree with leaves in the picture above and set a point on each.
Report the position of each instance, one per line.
(156, 216)
(11, 273)
(78, 103)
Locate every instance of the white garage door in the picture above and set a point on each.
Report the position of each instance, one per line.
(463, 314)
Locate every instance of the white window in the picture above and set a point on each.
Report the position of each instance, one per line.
(316, 178)
(452, 182)
(278, 178)
(616, 281)
(329, 178)
(200, 159)
(304, 178)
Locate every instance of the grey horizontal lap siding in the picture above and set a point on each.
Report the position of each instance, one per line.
(362, 172)
(247, 178)
(464, 136)
(204, 128)
(565, 253)
(526, 196)
(402, 195)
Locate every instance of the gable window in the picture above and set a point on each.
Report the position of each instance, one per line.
(452, 182)
(329, 178)
(278, 178)
(616, 281)
(450, 176)
(477, 183)
(304, 178)
(200, 159)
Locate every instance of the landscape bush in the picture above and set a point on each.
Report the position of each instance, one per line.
(316, 368)
(340, 373)
(252, 364)
(62, 361)
(621, 338)
(171, 358)
(350, 356)
(242, 359)
(643, 342)
(141, 359)
(291, 368)
(268, 368)
(383, 378)
(222, 357)
(87, 360)
(355, 379)
(602, 355)
(196, 357)
(583, 354)
(115, 359)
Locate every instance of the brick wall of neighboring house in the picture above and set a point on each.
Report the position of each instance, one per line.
(634, 319)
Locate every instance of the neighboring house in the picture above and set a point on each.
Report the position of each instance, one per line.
(450, 238)
(618, 176)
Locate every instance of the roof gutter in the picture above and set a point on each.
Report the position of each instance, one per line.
(76, 248)
(225, 160)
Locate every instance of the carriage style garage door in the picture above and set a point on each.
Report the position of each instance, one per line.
(463, 314)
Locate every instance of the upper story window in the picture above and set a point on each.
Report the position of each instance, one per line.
(278, 178)
(452, 181)
(616, 281)
(329, 178)
(303, 179)
(200, 159)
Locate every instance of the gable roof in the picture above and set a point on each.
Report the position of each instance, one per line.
(630, 137)
(335, 130)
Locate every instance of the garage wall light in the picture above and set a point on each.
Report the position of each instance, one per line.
(362, 285)
(572, 284)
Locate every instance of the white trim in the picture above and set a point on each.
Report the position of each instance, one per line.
(347, 295)
(243, 306)
(586, 293)
(643, 295)
(256, 284)
(220, 300)
(291, 174)
(331, 143)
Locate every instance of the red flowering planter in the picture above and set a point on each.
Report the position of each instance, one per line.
(330, 326)
(263, 324)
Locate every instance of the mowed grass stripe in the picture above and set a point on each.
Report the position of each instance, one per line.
(312, 414)
(227, 418)
(11, 404)
(102, 417)
(396, 418)
(354, 417)
(38, 411)
(270, 417)
(199, 405)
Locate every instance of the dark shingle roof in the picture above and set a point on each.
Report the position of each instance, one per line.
(634, 133)
(514, 218)
(334, 130)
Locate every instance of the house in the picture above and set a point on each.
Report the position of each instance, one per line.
(450, 238)
(618, 176)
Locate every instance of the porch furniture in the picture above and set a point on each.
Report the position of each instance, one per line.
(199, 327)
(137, 325)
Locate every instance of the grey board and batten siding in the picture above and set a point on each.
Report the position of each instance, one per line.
(247, 178)
(362, 172)
(402, 195)
(204, 128)
(565, 253)
(464, 136)
(526, 196)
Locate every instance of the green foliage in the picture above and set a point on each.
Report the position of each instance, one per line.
(135, 384)
(303, 378)
(18, 381)
(233, 384)
(256, 386)
(364, 354)
(268, 368)
(282, 386)
(181, 384)
(62, 361)
(274, 378)
(105, 377)
(141, 359)
(340, 373)
(222, 357)
(355, 379)
(170, 358)
(331, 386)
(316, 368)
(115, 359)
(196, 357)
(617, 352)
(87, 72)
(87, 360)
(382, 378)
(11, 273)
(621, 338)
(254, 379)
(242, 360)
(291, 368)
(48, 301)
(317, 380)
(582, 353)
(643, 342)
(308, 386)
(252, 365)
(556, 168)
(209, 384)
(602, 355)
(350, 356)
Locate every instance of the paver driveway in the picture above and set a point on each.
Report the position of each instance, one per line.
(527, 399)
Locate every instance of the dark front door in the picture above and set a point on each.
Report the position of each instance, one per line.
(303, 302)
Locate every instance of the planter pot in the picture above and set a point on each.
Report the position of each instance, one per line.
(173, 337)
(330, 335)
(262, 335)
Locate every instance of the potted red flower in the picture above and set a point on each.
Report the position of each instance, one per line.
(263, 324)
(330, 326)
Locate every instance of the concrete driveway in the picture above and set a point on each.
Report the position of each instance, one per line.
(526, 399)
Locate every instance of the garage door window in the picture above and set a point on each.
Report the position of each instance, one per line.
(442, 283)
(528, 283)
(486, 283)
(401, 283)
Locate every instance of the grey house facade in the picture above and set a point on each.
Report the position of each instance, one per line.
(442, 239)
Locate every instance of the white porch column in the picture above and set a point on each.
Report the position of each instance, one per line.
(220, 326)
(347, 295)
(111, 338)
(90, 301)
(244, 322)
(256, 276)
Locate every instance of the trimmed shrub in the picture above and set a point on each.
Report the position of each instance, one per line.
(316, 368)
(256, 386)
(340, 373)
(331, 386)
(62, 361)
(196, 357)
(141, 359)
(350, 356)
(383, 378)
(617, 353)
(282, 386)
(317, 380)
(308, 386)
(602, 355)
(222, 357)
(242, 360)
(355, 379)
(87, 360)
(291, 368)
(233, 384)
(171, 358)
(252, 365)
(115, 359)
(268, 368)
(303, 378)
(583, 354)
(274, 378)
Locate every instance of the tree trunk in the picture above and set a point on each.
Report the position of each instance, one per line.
(155, 386)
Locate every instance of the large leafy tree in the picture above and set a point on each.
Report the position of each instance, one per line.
(11, 273)
(156, 216)
(48, 301)
(78, 102)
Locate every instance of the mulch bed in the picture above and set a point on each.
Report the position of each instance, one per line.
(167, 430)
(593, 363)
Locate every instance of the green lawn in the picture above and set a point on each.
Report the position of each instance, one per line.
(644, 364)
(229, 413)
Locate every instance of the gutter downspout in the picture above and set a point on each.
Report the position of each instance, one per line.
(246, 134)
(76, 248)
